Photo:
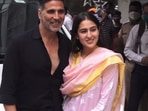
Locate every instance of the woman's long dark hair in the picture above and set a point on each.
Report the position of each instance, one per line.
(76, 45)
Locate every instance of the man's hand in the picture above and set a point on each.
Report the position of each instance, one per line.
(145, 60)
(9, 107)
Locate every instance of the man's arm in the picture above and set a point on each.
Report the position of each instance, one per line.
(130, 49)
(10, 78)
(145, 60)
(10, 107)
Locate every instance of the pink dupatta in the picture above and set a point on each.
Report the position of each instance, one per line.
(80, 75)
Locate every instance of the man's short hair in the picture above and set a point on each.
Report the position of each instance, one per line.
(116, 12)
(136, 4)
(42, 2)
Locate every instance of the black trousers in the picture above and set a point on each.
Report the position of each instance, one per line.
(139, 82)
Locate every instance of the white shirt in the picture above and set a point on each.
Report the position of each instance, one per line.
(68, 21)
(130, 50)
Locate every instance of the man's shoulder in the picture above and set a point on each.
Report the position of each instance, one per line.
(33, 33)
(127, 23)
(63, 37)
(127, 26)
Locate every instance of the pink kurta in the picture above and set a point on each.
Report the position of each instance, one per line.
(96, 99)
(100, 96)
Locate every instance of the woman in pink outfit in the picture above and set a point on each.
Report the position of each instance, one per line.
(93, 80)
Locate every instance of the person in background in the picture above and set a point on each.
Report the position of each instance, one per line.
(138, 53)
(68, 21)
(116, 17)
(92, 10)
(135, 17)
(107, 27)
(93, 80)
(135, 12)
(34, 63)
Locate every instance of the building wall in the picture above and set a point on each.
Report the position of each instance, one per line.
(123, 7)
(77, 6)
